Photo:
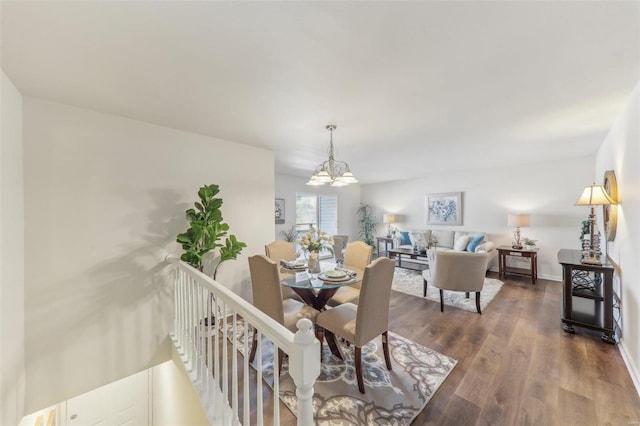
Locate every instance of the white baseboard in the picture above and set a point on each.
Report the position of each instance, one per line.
(542, 276)
(633, 371)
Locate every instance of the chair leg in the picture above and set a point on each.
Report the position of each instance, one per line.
(358, 362)
(466, 294)
(385, 349)
(320, 337)
(441, 300)
(424, 288)
(478, 302)
(254, 345)
(280, 359)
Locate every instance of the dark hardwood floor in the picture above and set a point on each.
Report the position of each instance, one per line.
(515, 364)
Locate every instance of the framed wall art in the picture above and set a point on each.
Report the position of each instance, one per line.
(279, 210)
(610, 212)
(444, 209)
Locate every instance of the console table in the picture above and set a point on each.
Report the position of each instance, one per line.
(586, 282)
(532, 255)
(387, 241)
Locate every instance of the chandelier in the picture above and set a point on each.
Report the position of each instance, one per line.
(332, 171)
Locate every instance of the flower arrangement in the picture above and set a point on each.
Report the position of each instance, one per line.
(315, 240)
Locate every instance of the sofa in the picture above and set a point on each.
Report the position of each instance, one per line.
(446, 240)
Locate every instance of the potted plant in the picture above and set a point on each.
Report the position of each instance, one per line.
(366, 223)
(206, 230)
(529, 244)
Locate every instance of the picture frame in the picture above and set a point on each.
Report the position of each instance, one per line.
(610, 212)
(279, 211)
(444, 208)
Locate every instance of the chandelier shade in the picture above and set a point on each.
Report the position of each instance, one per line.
(332, 171)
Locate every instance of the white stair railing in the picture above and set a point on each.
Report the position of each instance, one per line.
(208, 336)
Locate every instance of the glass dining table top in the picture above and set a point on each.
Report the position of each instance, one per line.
(330, 276)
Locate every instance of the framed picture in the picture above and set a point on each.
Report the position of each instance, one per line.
(279, 210)
(444, 209)
(610, 211)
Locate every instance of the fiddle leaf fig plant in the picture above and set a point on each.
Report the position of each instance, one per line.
(206, 230)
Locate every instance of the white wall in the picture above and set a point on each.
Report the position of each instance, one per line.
(104, 199)
(546, 191)
(620, 152)
(12, 339)
(286, 187)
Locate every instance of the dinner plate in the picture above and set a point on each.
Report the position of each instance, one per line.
(324, 277)
(334, 273)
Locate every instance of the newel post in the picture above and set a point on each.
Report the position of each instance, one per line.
(304, 368)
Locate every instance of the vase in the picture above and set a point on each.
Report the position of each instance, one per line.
(314, 263)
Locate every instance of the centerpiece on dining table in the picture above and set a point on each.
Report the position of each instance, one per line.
(311, 243)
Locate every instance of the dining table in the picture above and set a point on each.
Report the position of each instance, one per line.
(316, 289)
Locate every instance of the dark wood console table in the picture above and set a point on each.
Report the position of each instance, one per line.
(388, 241)
(584, 282)
(532, 255)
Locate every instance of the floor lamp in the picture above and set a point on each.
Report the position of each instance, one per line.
(593, 195)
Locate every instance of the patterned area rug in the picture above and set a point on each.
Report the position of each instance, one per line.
(391, 397)
(410, 282)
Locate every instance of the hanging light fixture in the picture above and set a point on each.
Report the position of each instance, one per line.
(332, 171)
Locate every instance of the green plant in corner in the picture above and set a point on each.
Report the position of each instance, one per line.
(367, 223)
(290, 234)
(206, 230)
(528, 241)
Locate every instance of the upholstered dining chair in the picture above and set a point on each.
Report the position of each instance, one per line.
(283, 250)
(265, 287)
(458, 271)
(339, 243)
(357, 256)
(359, 324)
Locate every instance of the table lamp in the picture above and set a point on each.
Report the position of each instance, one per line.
(593, 195)
(517, 220)
(389, 218)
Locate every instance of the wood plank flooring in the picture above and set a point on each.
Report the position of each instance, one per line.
(515, 364)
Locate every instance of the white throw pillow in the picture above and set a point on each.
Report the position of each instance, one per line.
(461, 243)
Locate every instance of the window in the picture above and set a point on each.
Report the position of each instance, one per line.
(319, 211)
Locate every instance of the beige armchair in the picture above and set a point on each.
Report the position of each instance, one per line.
(357, 256)
(458, 271)
(265, 287)
(359, 324)
(282, 250)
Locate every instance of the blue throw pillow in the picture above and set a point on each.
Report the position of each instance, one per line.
(405, 238)
(475, 242)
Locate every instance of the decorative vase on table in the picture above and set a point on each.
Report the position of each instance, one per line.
(314, 263)
(312, 242)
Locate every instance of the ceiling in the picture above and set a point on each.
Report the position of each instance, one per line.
(413, 87)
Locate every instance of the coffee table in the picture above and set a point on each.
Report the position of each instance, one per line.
(407, 253)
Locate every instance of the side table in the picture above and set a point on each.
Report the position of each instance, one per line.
(532, 255)
(586, 282)
(387, 241)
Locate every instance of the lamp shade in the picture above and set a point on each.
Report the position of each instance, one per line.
(594, 195)
(518, 220)
(389, 218)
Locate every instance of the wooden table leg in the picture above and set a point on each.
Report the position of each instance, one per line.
(333, 345)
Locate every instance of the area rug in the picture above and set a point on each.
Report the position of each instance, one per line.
(410, 282)
(391, 397)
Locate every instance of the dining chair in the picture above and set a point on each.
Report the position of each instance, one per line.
(339, 243)
(265, 287)
(282, 250)
(359, 324)
(458, 271)
(357, 256)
